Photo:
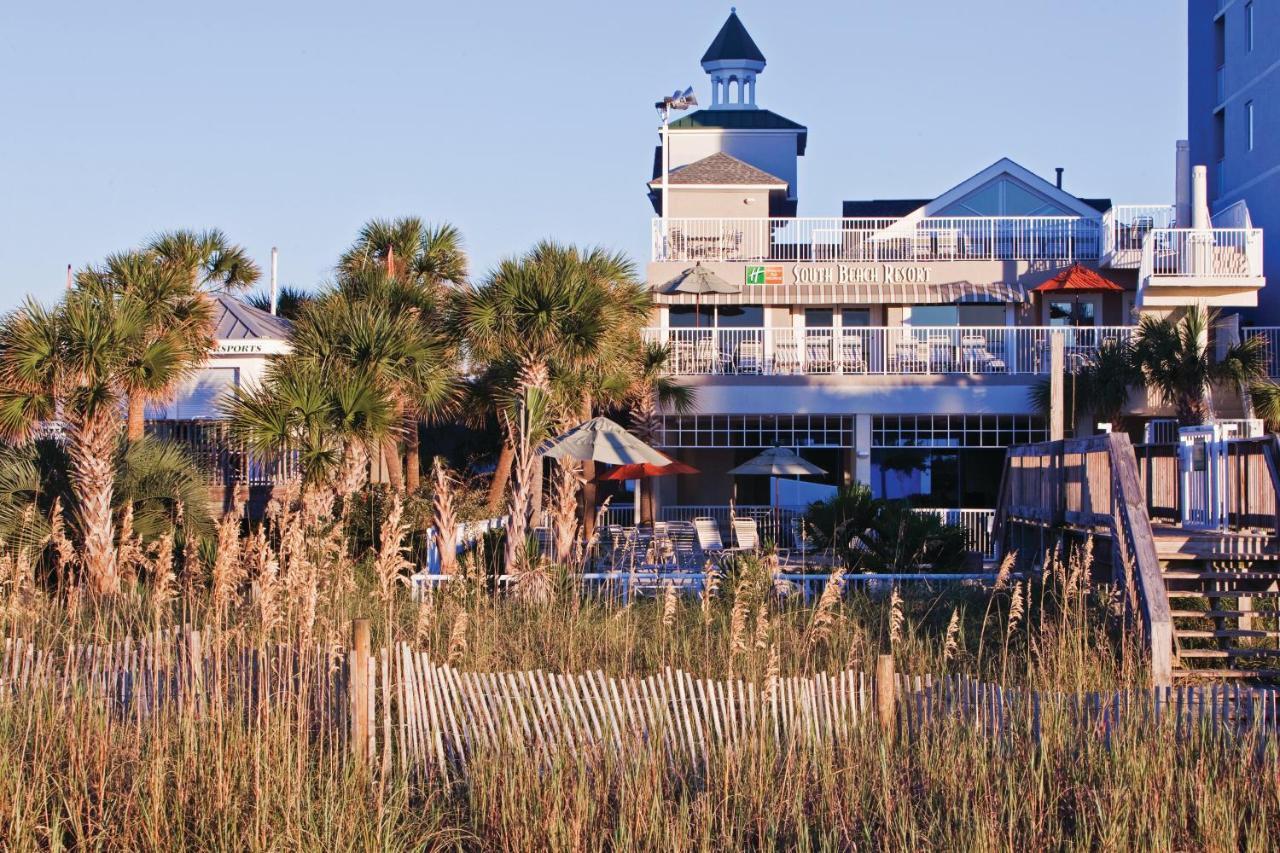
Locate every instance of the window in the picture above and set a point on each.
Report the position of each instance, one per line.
(706, 316)
(933, 315)
(819, 318)
(1072, 313)
(855, 318)
(740, 316)
(1248, 25)
(1248, 125)
(981, 315)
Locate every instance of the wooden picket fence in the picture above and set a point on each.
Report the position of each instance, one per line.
(395, 708)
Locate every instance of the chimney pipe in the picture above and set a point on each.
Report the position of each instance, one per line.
(1059, 170)
(275, 293)
(1182, 184)
(68, 276)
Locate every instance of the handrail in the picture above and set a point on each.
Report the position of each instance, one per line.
(1093, 483)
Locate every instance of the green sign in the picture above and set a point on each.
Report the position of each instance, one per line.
(755, 274)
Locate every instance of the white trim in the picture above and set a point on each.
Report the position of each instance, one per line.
(671, 185)
(1005, 166)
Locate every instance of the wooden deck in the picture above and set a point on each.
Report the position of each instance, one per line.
(1209, 599)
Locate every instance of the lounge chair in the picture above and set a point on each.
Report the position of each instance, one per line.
(746, 534)
(817, 354)
(852, 359)
(749, 356)
(786, 357)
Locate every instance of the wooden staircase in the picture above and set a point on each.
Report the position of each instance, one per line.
(1224, 597)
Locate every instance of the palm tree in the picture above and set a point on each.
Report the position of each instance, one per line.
(571, 315)
(408, 250)
(210, 260)
(409, 263)
(290, 302)
(157, 485)
(74, 364)
(379, 327)
(330, 419)
(1101, 385)
(1177, 361)
(178, 326)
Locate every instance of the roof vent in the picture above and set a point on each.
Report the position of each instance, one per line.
(1058, 182)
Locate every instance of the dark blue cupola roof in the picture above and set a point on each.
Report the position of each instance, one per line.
(733, 42)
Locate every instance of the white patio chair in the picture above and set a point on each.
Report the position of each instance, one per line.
(786, 357)
(708, 533)
(749, 356)
(852, 359)
(746, 534)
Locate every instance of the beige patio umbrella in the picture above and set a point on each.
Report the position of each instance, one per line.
(698, 280)
(602, 440)
(775, 462)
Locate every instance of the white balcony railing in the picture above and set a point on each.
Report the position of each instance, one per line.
(1271, 345)
(1202, 253)
(976, 238)
(1126, 226)
(885, 350)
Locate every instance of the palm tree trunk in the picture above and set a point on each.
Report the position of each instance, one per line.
(137, 417)
(501, 476)
(412, 458)
(93, 446)
(392, 462)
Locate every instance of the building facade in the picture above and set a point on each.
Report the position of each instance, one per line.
(1233, 114)
(897, 343)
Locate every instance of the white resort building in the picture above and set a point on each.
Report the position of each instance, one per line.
(895, 342)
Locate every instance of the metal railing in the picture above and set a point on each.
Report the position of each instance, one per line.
(221, 459)
(1125, 227)
(1271, 345)
(1206, 252)
(819, 239)
(775, 522)
(883, 350)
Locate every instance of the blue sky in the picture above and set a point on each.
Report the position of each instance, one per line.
(291, 123)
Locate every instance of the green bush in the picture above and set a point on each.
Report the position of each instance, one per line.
(874, 534)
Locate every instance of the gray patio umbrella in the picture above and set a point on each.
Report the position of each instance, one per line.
(775, 462)
(603, 440)
(698, 280)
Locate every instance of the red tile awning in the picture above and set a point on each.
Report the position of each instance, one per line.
(1078, 277)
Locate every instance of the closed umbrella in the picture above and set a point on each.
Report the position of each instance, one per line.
(644, 471)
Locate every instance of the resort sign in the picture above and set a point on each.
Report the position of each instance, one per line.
(859, 274)
(765, 274)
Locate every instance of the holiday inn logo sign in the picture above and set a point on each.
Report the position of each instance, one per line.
(765, 274)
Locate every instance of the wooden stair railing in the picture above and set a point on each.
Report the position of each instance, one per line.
(1092, 484)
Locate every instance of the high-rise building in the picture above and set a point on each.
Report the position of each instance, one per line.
(1233, 112)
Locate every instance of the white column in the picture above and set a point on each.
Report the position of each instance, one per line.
(862, 449)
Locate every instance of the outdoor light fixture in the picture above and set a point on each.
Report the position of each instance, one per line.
(677, 100)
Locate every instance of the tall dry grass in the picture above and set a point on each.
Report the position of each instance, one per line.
(72, 775)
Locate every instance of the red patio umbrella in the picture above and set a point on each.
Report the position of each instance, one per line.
(643, 471)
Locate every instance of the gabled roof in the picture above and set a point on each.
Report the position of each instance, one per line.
(1005, 166)
(722, 170)
(732, 42)
(742, 120)
(234, 320)
(900, 207)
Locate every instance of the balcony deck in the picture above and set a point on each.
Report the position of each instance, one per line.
(886, 350)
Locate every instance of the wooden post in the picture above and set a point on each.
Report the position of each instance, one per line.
(1057, 366)
(358, 687)
(885, 695)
